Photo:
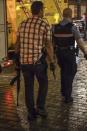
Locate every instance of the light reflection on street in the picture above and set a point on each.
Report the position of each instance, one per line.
(8, 99)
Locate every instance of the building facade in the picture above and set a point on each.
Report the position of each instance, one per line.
(79, 7)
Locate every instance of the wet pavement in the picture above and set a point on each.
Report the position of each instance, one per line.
(9, 120)
(61, 116)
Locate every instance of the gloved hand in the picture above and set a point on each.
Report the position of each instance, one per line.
(85, 56)
(52, 67)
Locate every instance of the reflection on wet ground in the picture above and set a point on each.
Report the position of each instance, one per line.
(61, 116)
(9, 120)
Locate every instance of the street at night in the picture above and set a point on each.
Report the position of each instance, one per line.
(61, 116)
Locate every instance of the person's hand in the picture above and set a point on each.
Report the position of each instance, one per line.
(52, 66)
(85, 56)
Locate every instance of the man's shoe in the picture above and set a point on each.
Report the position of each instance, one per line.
(68, 100)
(32, 115)
(42, 113)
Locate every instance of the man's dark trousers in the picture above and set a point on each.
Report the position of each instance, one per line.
(68, 66)
(29, 72)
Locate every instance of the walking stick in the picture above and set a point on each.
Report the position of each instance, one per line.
(18, 83)
(54, 75)
(18, 75)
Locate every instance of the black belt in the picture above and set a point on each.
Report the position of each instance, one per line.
(66, 48)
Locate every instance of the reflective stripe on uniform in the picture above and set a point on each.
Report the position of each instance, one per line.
(63, 35)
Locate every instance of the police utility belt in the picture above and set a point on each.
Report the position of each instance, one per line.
(65, 48)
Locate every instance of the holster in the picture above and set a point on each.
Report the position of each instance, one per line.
(42, 59)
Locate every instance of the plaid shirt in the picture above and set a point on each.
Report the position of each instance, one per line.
(33, 35)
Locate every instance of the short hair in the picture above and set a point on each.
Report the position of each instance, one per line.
(67, 12)
(36, 7)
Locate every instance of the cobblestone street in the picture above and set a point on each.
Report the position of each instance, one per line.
(32, 34)
(61, 117)
(9, 120)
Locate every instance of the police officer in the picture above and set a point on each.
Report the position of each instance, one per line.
(65, 34)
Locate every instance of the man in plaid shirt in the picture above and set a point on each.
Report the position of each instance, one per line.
(34, 34)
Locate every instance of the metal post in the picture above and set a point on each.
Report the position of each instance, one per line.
(78, 9)
(3, 29)
(6, 28)
(86, 7)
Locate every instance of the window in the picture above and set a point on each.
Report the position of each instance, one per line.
(65, 1)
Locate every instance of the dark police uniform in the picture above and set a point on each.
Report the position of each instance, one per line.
(64, 37)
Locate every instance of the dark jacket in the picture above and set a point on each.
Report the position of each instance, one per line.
(63, 36)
